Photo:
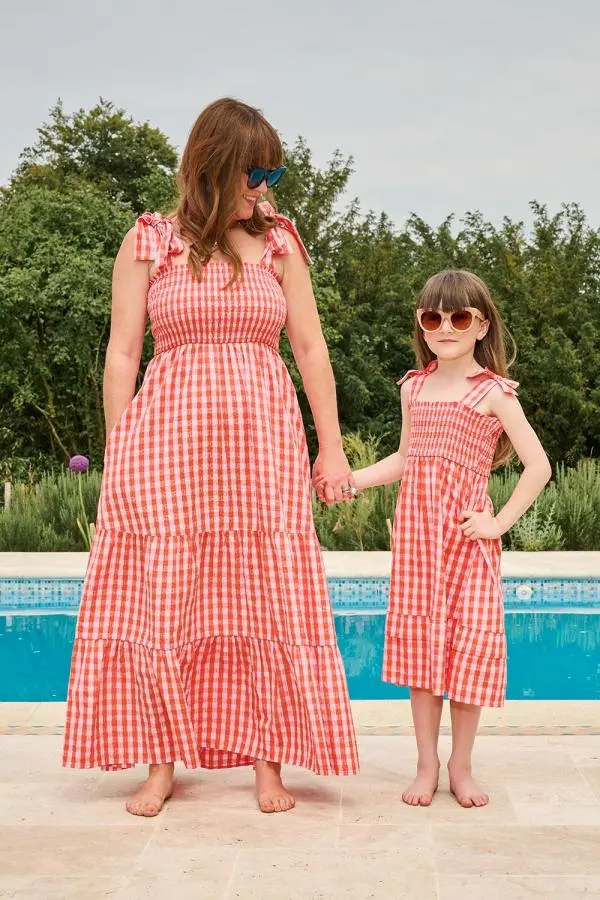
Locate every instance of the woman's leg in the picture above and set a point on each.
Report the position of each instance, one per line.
(271, 795)
(465, 721)
(427, 712)
(157, 788)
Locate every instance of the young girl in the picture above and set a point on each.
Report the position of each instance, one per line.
(445, 626)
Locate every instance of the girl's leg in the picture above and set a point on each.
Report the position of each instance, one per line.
(157, 788)
(465, 721)
(427, 712)
(271, 795)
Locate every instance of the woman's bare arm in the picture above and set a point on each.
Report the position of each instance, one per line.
(127, 327)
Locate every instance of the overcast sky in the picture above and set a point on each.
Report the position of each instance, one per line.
(445, 106)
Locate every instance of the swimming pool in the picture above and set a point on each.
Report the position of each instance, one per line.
(552, 626)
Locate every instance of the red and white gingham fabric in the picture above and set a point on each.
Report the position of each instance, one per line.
(445, 624)
(205, 632)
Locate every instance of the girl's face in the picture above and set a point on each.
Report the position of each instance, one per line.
(448, 342)
(247, 198)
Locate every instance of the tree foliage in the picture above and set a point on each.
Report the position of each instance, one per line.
(56, 256)
(78, 190)
(128, 161)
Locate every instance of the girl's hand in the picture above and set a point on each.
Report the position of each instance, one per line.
(480, 525)
(332, 477)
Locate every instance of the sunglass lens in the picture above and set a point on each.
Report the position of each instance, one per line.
(462, 320)
(430, 320)
(256, 177)
(274, 177)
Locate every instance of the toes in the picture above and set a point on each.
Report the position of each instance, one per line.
(135, 809)
(267, 803)
(281, 803)
(142, 807)
(416, 796)
(471, 797)
(285, 802)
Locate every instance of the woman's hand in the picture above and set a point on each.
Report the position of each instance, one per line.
(332, 477)
(480, 525)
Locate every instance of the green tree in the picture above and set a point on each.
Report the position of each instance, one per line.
(548, 289)
(78, 189)
(131, 162)
(56, 256)
(311, 196)
(62, 218)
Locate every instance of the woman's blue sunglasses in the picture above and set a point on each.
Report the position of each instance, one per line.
(271, 176)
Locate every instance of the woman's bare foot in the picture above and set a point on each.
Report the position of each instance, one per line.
(271, 795)
(153, 794)
(465, 789)
(420, 792)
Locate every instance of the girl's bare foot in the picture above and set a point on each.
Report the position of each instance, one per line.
(271, 795)
(465, 789)
(420, 792)
(153, 794)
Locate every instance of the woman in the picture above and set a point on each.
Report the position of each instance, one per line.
(205, 632)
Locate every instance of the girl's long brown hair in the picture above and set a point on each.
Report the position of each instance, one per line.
(451, 291)
(228, 138)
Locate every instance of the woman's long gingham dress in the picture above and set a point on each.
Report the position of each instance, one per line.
(445, 625)
(205, 632)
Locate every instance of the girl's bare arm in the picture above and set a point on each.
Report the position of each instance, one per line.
(390, 469)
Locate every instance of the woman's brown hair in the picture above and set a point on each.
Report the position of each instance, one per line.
(451, 291)
(228, 138)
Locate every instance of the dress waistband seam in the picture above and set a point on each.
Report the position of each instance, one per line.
(479, 470)
(217, 344)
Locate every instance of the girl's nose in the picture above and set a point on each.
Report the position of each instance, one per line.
(263, 187)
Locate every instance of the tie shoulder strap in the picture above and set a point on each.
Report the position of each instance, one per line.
(485, 380)
(417, 377)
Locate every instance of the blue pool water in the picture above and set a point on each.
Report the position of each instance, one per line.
(552, 626)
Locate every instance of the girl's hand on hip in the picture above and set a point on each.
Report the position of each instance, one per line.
(332, 477)
(480, 525)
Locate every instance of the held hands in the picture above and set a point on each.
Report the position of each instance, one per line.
(332, 478)
(480, 525)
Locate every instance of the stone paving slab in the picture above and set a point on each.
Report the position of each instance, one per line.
(65, 833)
(374, 717)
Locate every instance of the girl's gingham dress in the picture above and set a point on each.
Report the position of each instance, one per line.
(445, 625)
(205, 632)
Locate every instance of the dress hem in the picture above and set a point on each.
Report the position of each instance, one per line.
(452, 695)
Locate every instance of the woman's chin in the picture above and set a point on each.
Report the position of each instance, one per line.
(245, 213)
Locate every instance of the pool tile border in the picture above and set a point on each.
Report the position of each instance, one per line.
(347, 594)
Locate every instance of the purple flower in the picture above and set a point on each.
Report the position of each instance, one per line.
(79, 464)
